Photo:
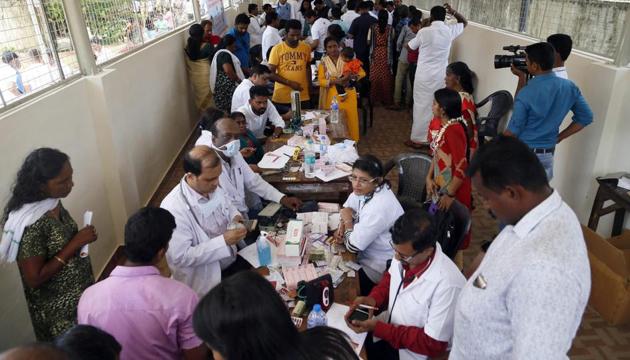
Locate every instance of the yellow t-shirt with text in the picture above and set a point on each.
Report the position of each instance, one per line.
(291, 64)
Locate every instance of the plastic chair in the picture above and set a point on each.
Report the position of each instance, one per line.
(412, 172)
(364, 102)
(461, 225)
(495, 122)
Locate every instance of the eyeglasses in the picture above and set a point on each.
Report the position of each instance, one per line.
(360, 181)
(403, 257)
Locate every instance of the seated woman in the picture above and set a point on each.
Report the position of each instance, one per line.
(245, 318)
(196, 48)
(251, 147)
(366, 218)
(44, 239)
(225, 73)
(329, 74)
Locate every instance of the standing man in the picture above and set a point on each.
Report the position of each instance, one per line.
(434, 45)
(359, 31)
(239, 31)
(290, 62)
(351, 14)
(563, 44)
(321, 8)
(527, 298)
(284, 10)
(260, 77)
(202, 248)
(319, 30)
(254, 29)
(541, 105)
(271, 36)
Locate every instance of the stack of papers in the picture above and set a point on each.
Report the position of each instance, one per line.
(335, 174)
(273, 161)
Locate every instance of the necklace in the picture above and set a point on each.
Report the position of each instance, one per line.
(436, 140)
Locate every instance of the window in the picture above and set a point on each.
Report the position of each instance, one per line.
(36, 53)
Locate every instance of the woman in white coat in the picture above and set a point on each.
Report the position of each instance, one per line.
(366, 217)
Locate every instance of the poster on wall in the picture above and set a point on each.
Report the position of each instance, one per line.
(215, 12)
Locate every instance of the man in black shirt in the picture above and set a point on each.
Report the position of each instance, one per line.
(359, 32)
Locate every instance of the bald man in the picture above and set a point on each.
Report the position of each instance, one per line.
(202, 247)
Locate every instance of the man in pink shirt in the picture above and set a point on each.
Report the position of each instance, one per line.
(149, 315)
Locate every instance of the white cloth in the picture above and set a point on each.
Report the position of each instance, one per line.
(427, 302)
(295, 8)
(241, 94)
(197, 251)
(434, 43)
(213, 68)
(19, 220)
(538, 281)
(349, 17)
(390, 17)
(270, 38)
(561, 72)
(256, 123)
(370, 236)
(319, 31)
(255, 31)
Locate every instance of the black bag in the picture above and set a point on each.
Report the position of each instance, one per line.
(445, 232)
(318, 291)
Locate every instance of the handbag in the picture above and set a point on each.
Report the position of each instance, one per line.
(317, 291)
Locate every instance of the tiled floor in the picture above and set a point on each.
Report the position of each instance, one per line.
(595, 339)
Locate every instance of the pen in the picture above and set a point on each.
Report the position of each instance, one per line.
(368, 307)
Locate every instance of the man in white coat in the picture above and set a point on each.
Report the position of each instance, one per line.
(434, 44)
(201, 246)
(417, 295)
(237, 178)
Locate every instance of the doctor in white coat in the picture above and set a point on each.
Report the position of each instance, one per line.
(236, 175)
(201, 246)
(434, 44)
(366, 218)
(417, 295)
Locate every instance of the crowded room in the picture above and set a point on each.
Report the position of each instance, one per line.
(315, 179)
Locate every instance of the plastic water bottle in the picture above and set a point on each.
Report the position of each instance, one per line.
(264, 251)
(334, 111)
(317, 317)
(309, 160)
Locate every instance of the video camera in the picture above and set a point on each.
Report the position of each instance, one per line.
(518, 59)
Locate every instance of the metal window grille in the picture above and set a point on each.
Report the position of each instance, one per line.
(36, 54)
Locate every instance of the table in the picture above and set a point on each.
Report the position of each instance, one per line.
(311, 188)
(608, 190)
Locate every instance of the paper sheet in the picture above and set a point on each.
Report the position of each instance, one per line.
(336, 174)
(250, 253)
(284, 150)
(273, 161)
(335, 320)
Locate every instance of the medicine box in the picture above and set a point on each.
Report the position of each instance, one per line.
(294, 241)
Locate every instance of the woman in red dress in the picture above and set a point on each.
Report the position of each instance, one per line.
(447, 178)
(381, 78)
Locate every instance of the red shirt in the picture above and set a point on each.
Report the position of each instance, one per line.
(212, 39)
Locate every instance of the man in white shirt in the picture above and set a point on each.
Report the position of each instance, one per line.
(563, 44)
(254, 29)
(236, 176)
(351, 14)
(319, 30)
(201, 246)
(259, 110)
(259, 77)
(527, 297)
(271, 36)
(434, 43)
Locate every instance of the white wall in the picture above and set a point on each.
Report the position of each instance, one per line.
(122, 129)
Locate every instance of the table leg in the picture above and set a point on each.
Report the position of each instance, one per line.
(620, 216)
(598, 203)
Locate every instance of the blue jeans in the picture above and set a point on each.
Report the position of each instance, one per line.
(547, 162)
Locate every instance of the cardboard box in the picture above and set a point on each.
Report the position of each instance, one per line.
(294, 243)
(610, 271)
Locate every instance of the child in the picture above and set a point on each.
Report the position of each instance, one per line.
(351, 69)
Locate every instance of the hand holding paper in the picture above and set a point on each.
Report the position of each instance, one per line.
(87, 220)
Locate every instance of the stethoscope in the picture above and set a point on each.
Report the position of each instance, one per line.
(402, 281)
(188, 206)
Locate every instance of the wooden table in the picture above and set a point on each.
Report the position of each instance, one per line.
(608, 190)
(311, 188)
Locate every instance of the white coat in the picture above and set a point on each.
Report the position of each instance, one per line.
(370, 237)
(434, 43)
(197, 251)
(428, 302)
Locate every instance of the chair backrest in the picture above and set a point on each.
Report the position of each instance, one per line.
(494, 123)
(412, 172)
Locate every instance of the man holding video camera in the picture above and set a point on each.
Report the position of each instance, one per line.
(543, 102)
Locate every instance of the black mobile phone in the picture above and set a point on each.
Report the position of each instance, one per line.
(359, 314)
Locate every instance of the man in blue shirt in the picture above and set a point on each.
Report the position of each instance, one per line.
(283, 9)
(541, 105)
(239, 31)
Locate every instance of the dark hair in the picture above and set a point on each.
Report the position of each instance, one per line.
(205, 22)
(267, 7)
(383, 18)
(39, 167)
(348, 52)
(228, 40)
(389, 3)
(229, 317)
(370, 5)
(417, 226)
(147, 232)
(237, 114)
(270, 17)
(415, 21)
(258, 90)
(450, 101)
(86, 342)
(461, 70)
(335, 12)
(506, 161)
(193, 163)
(438, 13)
(329, 39)
(302, 10)
(318, 2)
(259, 70)
(209, 116)
(241, 19)
(541, 53)
(310, 13)
(8, 56)
(414, 12)
(294, 25)
(371, 165)
(336, 31)
(193, 45)
(251, 7)
(351, 4)
(402, 11)
(562, 43)
(363, 5)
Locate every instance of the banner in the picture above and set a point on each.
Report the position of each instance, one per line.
(215, 13)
